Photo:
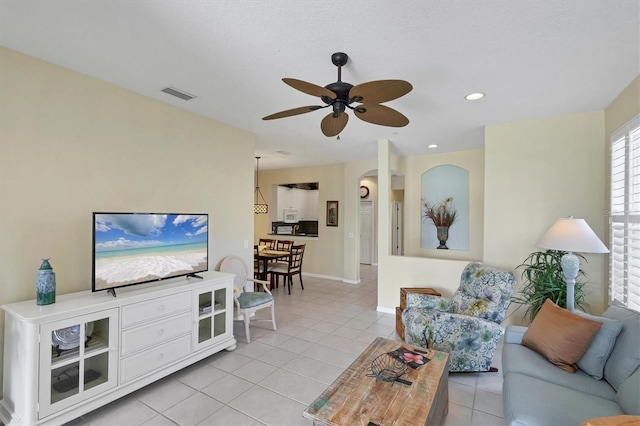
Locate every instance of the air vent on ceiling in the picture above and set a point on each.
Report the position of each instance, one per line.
(178, 94)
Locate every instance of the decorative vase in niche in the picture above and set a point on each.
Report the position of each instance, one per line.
(443, 236)
(46, 284)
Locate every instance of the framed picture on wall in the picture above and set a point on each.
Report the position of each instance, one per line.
(332, 213)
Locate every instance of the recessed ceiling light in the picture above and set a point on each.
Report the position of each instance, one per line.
(474, 96)
(433, 145)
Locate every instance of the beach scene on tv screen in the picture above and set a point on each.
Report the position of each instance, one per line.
(133, 248)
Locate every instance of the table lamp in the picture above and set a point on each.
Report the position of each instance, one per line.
(569, 234)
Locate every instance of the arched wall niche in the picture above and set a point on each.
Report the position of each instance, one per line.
(445, 208)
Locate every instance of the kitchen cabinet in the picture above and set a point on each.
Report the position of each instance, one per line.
(312, 205)
(305, 201)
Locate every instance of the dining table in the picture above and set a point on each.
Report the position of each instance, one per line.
(266, 255)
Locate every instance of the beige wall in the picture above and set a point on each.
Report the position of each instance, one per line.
(525, 190)
(513, 178)
(623, 108)
(323, 256)
(536, 172)
(413, 167)
(71, 145)
(405, 271)
(420, 267)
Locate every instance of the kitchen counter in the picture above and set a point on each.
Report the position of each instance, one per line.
(282, 236)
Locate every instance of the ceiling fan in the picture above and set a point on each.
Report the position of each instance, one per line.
(340, 95)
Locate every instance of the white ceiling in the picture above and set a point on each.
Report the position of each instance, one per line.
(532, 59)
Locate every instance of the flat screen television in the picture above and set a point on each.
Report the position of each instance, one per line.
(136, 248)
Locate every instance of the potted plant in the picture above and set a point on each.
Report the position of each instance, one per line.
(543, 279)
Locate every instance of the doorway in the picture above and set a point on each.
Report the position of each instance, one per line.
(367, 231)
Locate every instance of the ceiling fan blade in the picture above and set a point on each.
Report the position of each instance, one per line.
(375, 92)
(381, 114)
(290, 112)
(332, 126)
(309, 88)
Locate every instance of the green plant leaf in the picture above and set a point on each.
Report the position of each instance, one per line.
(543, 279)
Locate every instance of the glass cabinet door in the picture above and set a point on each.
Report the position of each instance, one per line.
(220, 299)
(77, 359)
(211, 315)
(205, 307)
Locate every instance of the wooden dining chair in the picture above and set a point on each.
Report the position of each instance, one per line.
(257, 265)
(284, 245)
(289, 269)
(271, 244)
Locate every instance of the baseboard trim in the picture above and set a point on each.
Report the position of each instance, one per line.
(329, 277)
(386, 310)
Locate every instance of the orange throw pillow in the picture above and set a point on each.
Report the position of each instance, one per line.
(560, 336)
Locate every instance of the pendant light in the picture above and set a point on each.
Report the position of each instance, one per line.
(257, 207)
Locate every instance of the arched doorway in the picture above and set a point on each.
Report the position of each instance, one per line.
(368, 215)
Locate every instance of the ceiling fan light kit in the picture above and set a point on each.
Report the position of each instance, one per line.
(340, 96)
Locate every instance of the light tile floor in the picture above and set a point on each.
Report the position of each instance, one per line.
(321, 330)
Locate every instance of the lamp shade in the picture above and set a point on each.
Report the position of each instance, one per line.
(260, 208)
(573, 235)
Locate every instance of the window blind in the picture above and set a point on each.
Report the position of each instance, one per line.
(624, 232)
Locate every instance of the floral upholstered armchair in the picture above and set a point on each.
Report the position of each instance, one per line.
(467, 325)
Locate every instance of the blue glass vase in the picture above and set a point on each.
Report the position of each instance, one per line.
(46, 284)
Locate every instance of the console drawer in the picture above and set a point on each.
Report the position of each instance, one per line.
(155, 358)
(155, 308)
(148, 335)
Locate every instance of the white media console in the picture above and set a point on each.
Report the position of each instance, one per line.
(88, 349)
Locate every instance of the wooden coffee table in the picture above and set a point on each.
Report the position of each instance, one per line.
(355, 398)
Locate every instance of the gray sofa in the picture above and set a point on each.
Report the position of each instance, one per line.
(536, 392)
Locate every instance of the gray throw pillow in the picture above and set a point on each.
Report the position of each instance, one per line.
(596, 355)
